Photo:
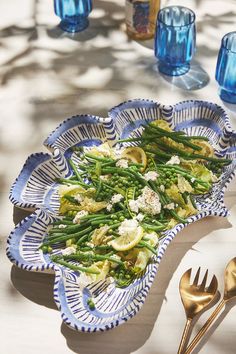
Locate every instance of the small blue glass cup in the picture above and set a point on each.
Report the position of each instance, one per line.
(73, 14)
(226, 68)
(175, 40)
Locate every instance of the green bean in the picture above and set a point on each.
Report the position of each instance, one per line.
(153, 227)
(98, 167)
(63, 222)
(83, 239)
(103, 247)
(176, 216)
(91, 216)
(114, 226)
(74, 168)
(146, 245)
(75, 267)
(70, 229)
(98, 188)
(121, 205)
(71, 199)
(122, 172)
(139, 178)
(185, 197)
(178, 139)
(56, 235)
(193, 201)
(158, 153)
(67, 181)
(67, 237)
(93, 257)
(102, 159)
(100, 221)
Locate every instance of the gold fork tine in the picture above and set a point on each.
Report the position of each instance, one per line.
(194, 299)
(186, 276)
(213, 284)
(203, 284)
(229, 293)
(195, 282)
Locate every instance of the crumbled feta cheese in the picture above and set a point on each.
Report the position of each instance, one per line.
(193, 179)
(109, 207)
(79, 215)
(214, 178)
(123, 163)
(128, 226)
(90, 244)
(162, 188)
(78, 198)
(62, 226)
(114, 264)
(149, 201)
(173, 161)
(104, 177)
(104, 149)
(133, 205)
(69, 250)
(151, 176)
(169, 206)
(116, 198)
(118, 153)
(140, 217)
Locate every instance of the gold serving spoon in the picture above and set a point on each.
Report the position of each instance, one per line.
(195, 299)
(229, 293)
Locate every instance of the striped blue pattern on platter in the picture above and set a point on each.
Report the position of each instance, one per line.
(35, 187)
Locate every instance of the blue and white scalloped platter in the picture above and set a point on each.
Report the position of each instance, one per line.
(35, 188)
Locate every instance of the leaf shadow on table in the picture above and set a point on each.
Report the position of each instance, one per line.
(109, 15)
(133, 335)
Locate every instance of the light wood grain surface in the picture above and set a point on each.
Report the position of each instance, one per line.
(47, 75)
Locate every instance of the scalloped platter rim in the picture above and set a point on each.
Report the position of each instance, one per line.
(35, 187)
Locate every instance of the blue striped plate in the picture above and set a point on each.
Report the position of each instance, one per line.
(35, 188)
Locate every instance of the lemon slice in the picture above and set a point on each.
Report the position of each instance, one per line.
(135, 154)
(127, 241)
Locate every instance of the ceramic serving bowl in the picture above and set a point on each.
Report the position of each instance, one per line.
(35, 188)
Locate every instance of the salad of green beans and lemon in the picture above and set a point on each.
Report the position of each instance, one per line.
(120, 201)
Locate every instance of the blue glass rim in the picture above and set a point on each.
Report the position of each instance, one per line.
(179, 7)
(224, 42)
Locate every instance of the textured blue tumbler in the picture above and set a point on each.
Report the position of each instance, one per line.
(73, 14)
(226, 68)
(175, 39)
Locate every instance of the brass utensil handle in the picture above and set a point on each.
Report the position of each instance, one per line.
(205, 327)
(184, 335)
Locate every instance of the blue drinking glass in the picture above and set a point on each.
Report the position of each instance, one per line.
(226, 68)
(73, 14)
(175, 40)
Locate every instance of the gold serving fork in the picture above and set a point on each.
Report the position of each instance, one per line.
(229, 293)
(195, 299)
